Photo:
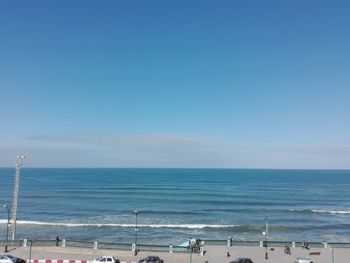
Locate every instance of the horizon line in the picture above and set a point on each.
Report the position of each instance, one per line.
(182, 168)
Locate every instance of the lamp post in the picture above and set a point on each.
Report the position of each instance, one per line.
(7, 227)
(190, 246)
(19, 163)
(265, 233)
(329, 247)
(136, 230)
(30, 249)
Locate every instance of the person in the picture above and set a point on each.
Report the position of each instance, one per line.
(305, 244)
(57, 241)
(287, 250)
(228, 254)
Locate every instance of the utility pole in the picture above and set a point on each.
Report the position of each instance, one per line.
(19, 163)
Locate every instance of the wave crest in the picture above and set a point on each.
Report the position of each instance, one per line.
(334, 212)
(342, 212)
(185, 226)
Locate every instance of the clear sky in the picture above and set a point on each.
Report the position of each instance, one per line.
(241, 84)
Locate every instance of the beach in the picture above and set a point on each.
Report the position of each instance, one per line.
(214, 254)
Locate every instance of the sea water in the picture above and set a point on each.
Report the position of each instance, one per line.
(175, 204)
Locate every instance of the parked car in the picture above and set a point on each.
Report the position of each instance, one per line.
(105, 259)
(10, 259)
(303, 260)
(242, 260)
(151, 259)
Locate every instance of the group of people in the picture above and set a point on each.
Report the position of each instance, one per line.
(195, 244)
(304, 244)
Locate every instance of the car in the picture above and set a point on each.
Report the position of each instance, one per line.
(105, 259)
(242, 260)
(10, 259)
(303, 260)
(151, 259)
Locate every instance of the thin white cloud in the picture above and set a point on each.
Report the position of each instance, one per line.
(140, 142)
(165, 150)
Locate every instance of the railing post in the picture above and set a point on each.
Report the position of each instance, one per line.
(261, 244)
(171, 249)
(95, 245)
(293, 244)
(63, 242)
(25, 242)
(201, 250)
(229, 242)
(133, 247)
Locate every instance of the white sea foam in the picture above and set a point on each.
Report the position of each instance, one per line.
(343, 212)
(189, 226)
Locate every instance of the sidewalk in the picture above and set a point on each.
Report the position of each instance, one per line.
(214, 254)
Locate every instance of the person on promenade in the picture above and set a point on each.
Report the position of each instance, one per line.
(228, 254)
(305, 244)
(57, 241)
(287, 250)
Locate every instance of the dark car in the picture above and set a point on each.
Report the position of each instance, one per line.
(151, 259)
(242, 260)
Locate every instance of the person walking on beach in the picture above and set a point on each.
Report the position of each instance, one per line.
(57, 241)
(228, 254)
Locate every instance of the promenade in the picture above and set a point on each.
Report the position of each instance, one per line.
(214, 254)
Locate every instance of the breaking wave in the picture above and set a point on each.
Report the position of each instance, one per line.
(342, 212)
(184, 226)
(334, 212)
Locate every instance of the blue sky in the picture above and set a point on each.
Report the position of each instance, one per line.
(247, 84)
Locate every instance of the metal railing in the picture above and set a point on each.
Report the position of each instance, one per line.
(164, 248)
(314, 244)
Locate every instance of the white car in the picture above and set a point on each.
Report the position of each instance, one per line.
(105, 259)
(303, 260)
(10, 259)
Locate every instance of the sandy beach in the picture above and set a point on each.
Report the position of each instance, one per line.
(214, 254)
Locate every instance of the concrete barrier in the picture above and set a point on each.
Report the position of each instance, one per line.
(58, 261)
(66, 261)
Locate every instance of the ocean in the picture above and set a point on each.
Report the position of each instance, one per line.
(175, 204)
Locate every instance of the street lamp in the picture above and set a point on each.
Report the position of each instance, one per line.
(30, 249)
(329, 247)
(265, 233)
(190, 246)
(8, 224)
(136, 230)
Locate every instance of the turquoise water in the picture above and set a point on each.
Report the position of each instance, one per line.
(174, 204)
